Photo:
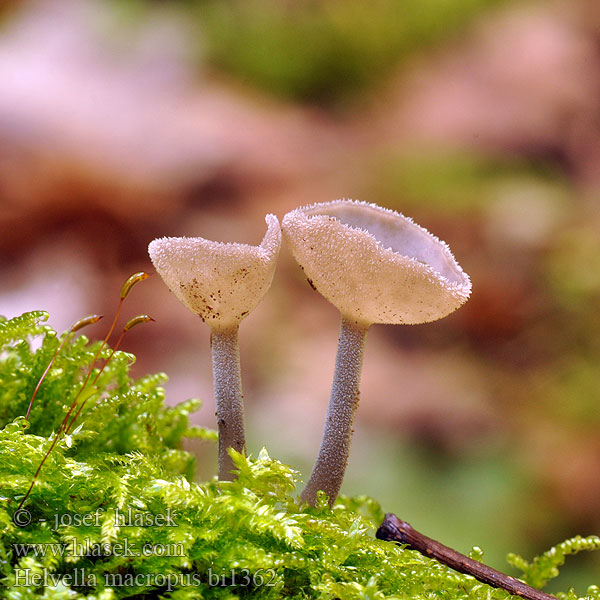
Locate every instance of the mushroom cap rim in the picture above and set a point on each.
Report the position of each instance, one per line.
(463, 289)
(270, 219)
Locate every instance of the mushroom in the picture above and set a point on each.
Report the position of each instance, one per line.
(221, 283)
(376, 266)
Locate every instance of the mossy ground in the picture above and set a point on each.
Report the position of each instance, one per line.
(115, 514)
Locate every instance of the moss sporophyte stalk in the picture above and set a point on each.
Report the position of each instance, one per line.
(97, 496)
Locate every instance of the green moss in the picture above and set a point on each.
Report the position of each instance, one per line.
(114, 513)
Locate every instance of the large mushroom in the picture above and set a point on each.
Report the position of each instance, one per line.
(221, 283)
(376, 266)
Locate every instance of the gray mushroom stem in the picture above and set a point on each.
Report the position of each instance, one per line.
(329, 468)
(228, 396)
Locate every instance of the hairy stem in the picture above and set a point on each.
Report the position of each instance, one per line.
(228, 396)
(329, 468)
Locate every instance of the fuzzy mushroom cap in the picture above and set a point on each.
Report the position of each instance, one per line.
(374, 264)
(220, 282)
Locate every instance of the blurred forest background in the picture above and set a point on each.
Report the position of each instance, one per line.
(125, 120)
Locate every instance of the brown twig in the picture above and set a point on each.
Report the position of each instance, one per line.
(394, 530)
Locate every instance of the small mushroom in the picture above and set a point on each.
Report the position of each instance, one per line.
(376, 266)
(221, 283)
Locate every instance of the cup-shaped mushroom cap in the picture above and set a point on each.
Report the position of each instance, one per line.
(374, 264)
(220, 282)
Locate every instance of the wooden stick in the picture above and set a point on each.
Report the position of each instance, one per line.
(394, 530)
